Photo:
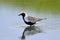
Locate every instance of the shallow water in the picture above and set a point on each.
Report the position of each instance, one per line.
(12, 26)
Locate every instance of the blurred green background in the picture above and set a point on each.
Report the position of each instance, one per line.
(37, 5)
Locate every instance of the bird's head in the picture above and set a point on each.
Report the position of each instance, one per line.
(23, 14)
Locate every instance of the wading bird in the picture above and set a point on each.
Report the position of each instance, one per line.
(31, 20)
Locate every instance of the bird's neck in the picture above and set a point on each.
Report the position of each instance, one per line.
(24, 19)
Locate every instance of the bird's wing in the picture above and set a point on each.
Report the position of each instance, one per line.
(34, 19)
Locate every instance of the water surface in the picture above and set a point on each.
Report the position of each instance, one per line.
(12, 26)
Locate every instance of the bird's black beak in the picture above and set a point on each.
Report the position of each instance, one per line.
(19, 14)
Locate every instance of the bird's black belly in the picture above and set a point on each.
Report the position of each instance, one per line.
(30, 23)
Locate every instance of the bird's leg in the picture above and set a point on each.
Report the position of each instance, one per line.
(33, 25)
(30, 25)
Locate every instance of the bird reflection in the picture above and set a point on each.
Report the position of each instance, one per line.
(30, 30)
